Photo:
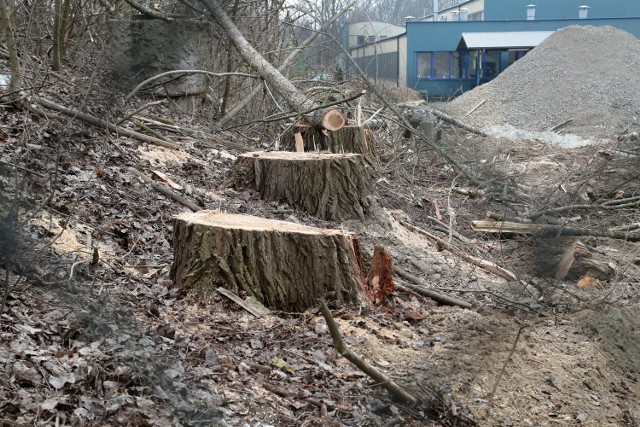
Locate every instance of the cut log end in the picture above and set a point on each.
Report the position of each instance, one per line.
(284, 265)
(333, 120)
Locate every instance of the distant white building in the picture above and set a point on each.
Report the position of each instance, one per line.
(470, 10)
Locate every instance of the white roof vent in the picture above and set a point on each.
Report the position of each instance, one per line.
(531, 12)
(583, 11)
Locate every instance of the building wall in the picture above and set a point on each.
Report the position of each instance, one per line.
(445, 36)
(402, 57)
(560, 9)
(383, 61)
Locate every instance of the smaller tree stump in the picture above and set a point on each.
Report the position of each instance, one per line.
(329, 186)
(347, 139)
(284, 265)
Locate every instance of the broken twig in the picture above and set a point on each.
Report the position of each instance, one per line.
(166, 191)
(394, 389)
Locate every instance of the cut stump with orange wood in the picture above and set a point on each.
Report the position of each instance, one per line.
(284, 265)
(328, 186)
(380, 283)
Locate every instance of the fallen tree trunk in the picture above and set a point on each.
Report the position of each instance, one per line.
(547, 230)
(285, 64)
(329, 186)
(296, 99)
(94, 121)
(286, 266)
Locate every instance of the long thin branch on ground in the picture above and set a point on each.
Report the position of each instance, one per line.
(168, 73)
(504, 365)
(420, 287)
(138, 110)
(489, 266)
(88, 118)
(539, 213)
(394, 389)
(547, 230)
(453, 121)
(454, 233)
(166, 191)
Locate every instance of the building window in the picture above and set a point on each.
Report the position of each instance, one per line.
(441, 65)
(360, 40)
(473, 65)
(371, 39)
(472, 62)
(424, 65)
(456, 65)
(478, 16)
(491, 64)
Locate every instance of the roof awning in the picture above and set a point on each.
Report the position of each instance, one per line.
(503, 40)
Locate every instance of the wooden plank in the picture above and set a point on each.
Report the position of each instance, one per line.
(235, 298)
(299, 143)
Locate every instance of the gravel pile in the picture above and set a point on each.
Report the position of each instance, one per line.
(585, 73)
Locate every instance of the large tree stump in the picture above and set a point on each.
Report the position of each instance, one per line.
(348, 139)
(286, 266)
(329, 186)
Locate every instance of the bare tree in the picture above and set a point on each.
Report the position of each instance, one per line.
(16, 70)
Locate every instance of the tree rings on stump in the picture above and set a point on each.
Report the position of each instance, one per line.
(284, 265)
(329, 186)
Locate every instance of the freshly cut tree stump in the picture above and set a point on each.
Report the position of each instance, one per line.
(348, 139)
(329, 186)
(284, 265)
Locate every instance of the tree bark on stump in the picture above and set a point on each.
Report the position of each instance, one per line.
(328, 186)
(284, 265)
(348, 139)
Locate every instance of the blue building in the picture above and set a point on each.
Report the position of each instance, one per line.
(449, 52)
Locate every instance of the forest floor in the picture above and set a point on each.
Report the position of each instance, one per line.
(95, 333)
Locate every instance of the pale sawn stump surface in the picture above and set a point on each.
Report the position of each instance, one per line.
(328, 186)
(286, 266)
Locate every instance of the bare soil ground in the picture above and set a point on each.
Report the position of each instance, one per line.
(107, 340)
